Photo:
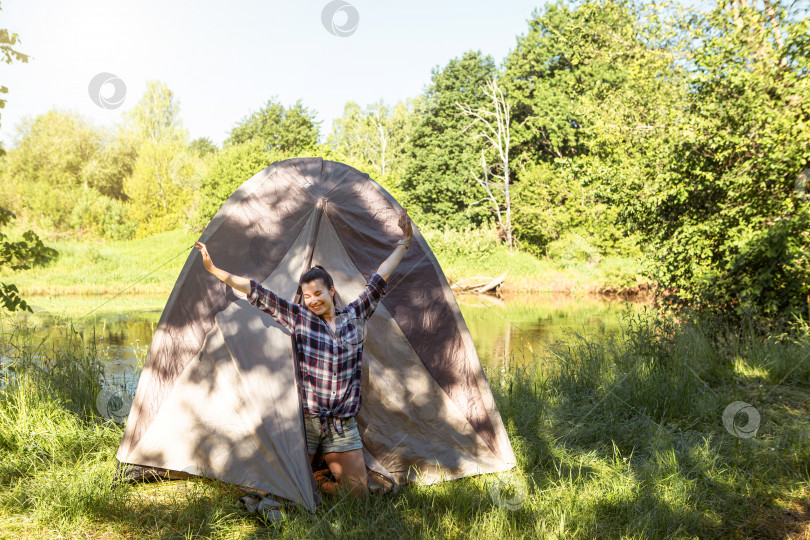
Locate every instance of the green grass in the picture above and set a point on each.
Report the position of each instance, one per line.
(474, 252)
(148, 267)
(616, 436)
(107, 267)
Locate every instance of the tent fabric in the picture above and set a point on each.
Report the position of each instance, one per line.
(219, 393)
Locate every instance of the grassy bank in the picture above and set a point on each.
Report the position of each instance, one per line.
(615, 437)
(106, 268)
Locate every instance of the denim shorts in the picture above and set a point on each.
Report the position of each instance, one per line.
(327, 444)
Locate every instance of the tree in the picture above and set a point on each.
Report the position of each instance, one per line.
(437, 182)
(50, 155)
(159, 191)
(9, 54)
(726, 230)
(374, 140)
(231, 167)
(63, 152)
(492, 124)
(202, 146)
(593, 86)
(30, 250)
(19, 255)
(291, 130)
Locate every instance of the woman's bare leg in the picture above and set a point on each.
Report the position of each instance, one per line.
(349, 469)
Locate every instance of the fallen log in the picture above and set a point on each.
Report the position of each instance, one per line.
(479, 284)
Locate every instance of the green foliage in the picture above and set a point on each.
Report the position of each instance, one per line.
(469, 244)
(19, 255)
(52, 151)
(231, 167)
(291, 130)
(375, 138)
(161, 188)
(8, 54)
(10, 298)
(594, 50)
(770, 276)
(572, 250)
(113, 162)
(438, 183)
(202, 146)
(718, 206)
(64, 153)
(545, 204)
(581, 81)
(97, 215)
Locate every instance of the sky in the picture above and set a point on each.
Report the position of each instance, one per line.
(224, 60)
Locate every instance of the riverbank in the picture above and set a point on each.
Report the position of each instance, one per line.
(614, 437)
(151, 265)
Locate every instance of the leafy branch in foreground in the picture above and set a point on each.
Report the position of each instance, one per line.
(19, 255)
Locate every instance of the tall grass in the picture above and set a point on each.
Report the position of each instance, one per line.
(616, 436)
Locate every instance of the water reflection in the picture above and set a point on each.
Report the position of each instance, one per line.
(514, 330)
(518, 329)
(121, 340)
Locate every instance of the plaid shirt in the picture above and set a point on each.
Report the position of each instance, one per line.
(330, 362)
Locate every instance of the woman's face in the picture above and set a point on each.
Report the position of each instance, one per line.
(318, 298)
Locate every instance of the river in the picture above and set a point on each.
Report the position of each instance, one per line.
(513, 330)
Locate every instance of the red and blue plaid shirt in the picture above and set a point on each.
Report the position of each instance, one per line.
(331, 362)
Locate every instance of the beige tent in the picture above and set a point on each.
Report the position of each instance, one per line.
(218, 394)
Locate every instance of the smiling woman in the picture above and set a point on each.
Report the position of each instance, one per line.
(331, 374)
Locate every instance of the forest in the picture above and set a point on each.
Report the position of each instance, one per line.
(633, 129)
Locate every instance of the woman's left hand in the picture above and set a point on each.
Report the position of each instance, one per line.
(405, 225)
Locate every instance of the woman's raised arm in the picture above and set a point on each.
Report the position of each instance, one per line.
(237, 282)
(390, 264)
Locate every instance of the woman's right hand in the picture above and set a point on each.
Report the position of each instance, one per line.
(206, 258)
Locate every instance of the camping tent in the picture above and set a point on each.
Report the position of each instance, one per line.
(218, 393)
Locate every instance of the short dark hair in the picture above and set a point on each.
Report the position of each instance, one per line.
(317, 272)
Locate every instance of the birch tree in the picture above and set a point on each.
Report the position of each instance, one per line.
(491, 123)
(375, 137)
